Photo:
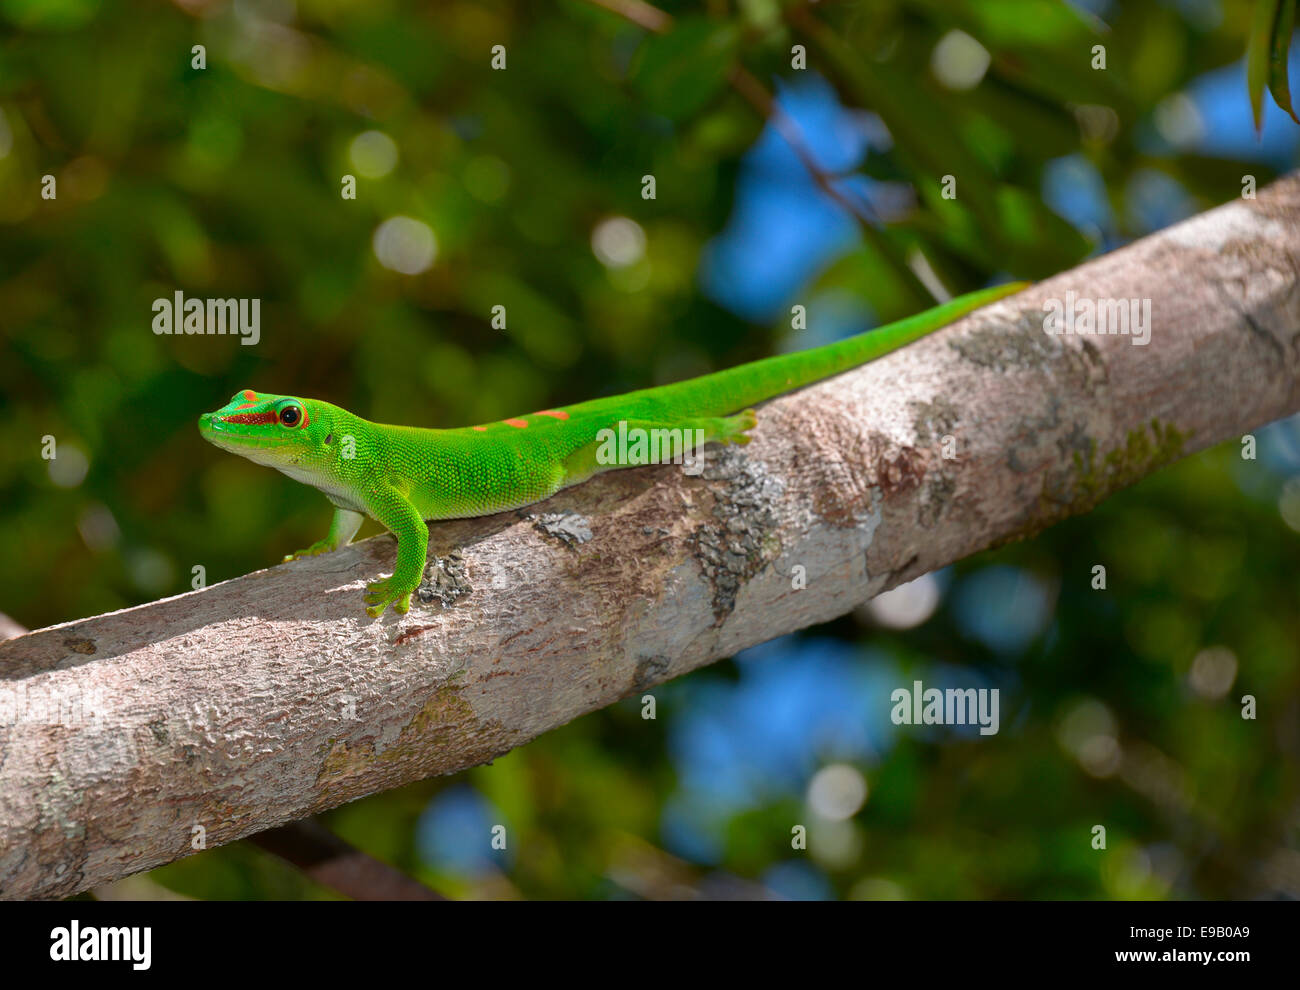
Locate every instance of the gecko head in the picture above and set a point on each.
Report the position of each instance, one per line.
(281, 431)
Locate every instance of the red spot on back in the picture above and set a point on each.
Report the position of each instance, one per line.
(557, 413)
(518, 424)
(479, 428)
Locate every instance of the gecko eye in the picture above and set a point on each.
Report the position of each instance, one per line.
(289, 416)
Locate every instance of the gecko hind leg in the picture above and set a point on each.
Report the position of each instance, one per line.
(722, 429)
(735, 429)
(659, 442)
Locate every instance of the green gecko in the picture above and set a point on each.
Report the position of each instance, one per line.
(403, 476)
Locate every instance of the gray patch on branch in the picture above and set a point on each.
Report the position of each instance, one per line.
(933, 420)
(1023, 344)
(568, 527)
(159, 729)
(940, 487)
(649, 672)
(1026, 454)
(445, 580)
(1074, 442)
(739, 540)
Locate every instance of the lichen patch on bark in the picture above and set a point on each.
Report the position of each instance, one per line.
(446, 721)
(933, 420)
(445, 580)
(567, 527)
(738, 541)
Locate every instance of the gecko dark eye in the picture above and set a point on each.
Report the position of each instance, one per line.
(289, 416)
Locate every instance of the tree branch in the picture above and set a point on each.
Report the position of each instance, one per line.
(319, 853)
(331, 861)
(268, 698)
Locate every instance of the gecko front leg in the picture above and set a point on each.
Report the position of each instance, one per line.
(392, 508)
(343, 527)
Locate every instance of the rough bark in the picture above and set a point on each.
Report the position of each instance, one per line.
(272, 696)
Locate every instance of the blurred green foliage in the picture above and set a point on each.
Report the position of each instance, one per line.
(226, 181)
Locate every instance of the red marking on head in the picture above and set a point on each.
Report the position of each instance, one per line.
(245, 405)
(306, 417)
(250, 395)
(251, 419)
(479, 428)
(557, 413)
(518, 424)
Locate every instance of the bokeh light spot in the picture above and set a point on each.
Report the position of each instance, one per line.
(837, 791)
(959, 61)
(69, 465)
(373, 154)
(618, 242)
(405, 245)
(1213, 671)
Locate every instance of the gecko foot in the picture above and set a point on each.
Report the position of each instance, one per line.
(382, 593)
(315, 550)
(734, 428)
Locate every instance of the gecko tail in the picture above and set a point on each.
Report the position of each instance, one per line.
(749, 384)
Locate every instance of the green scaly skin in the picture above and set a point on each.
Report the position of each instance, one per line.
(403, 476)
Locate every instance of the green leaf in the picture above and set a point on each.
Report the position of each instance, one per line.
(1038, 241)
(1278, 84)
(679, 72)
(1258, 54)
